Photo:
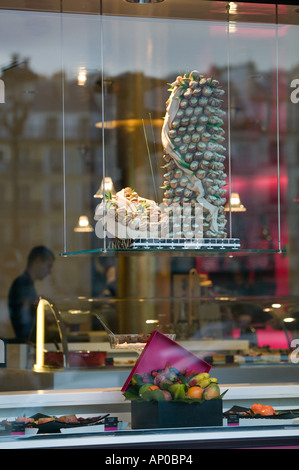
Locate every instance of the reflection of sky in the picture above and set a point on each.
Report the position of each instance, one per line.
(158, 48)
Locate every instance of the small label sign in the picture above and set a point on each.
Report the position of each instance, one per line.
(111, 423)
(233, 420)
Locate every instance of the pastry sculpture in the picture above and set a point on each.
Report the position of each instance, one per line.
(192, 138)
(194, 173)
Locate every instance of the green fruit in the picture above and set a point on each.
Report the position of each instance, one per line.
(144, 387)
(212, 391)
(153, 395)
(177, 391)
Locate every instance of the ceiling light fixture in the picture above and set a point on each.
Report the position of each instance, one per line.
(82, 76)
(83, 225)
(235, 204)
(109, 186)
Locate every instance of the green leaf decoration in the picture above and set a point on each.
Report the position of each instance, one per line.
(214, 126)
(222, 394)
(108, 195)
(153, 395)
(132, 393)
(184, 85)
(110, 204)
(184, 164)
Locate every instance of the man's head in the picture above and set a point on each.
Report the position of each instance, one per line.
(39, 263)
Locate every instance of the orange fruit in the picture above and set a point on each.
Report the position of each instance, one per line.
(195, 392)
(267, 410)
(154, 387)
(256, 408)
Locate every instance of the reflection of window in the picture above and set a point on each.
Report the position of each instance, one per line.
(26, 232)
(51, 127)
(24, 196)
(5, 197)
(56, 197)
(25, 160)
(5, 232)
(55, 160)
(4, 160)
(55, 234)
(84, 128)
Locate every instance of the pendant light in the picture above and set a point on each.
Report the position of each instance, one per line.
(83, 225)
(235, 204)
(109, 186)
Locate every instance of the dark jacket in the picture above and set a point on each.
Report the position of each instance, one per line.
(22, 304)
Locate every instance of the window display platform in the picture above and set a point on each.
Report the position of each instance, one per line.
(187, 438)
(263, 432)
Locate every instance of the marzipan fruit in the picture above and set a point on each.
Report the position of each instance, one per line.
(204, 383)
(178, 391)
(212, 391)
(198, 378)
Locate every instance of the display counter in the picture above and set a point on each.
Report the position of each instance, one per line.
(265, 432)
(232, 362)
(20, 379)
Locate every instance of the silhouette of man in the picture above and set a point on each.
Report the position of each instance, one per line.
(22, 296)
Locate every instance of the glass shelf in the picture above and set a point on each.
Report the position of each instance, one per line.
(175, 252)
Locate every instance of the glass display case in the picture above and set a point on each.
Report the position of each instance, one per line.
(187, 154)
